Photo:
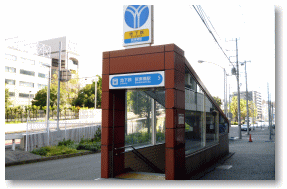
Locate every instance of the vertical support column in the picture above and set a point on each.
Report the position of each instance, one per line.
(113, 125)
(175, 113)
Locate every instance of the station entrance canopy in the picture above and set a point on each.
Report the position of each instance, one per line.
(157, 116)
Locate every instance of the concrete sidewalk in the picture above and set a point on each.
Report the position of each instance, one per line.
(251, 160)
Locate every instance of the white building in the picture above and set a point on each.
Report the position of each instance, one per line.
(27, 65)
(69, 53)
(26, 69)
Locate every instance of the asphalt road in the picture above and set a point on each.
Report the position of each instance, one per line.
(88, 167)
(76, 168)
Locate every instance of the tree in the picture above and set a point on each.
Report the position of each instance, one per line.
(140, 104)
(243, 111)
(40, 98)
(86, 96)
(68, 91)
(7, 98)
(218, 100)
(99, 92)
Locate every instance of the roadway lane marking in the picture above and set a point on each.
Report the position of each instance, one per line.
(224, 167)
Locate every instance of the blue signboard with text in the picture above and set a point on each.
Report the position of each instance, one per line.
(137, 80)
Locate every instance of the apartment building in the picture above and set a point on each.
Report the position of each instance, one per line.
(26, 70)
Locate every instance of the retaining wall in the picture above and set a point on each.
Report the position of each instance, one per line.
(37, 140)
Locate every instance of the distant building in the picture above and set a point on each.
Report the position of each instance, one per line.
(26, 69)
(69, 55)
(26, 63)
(252, 96)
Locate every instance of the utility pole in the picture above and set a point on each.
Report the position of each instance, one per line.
(238, 90)
(269, 112)
(229, 112)
(59, 78)
(247, 106)
(238, 97)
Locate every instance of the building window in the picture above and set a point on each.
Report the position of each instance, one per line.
(26, 84)
(25, 95)
(27, 61)
(10, 69)
(12, 94)
(41, 86)
(10, 57)
(10, 81)
(41, 75)
(26, 72)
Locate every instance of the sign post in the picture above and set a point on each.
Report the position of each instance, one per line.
(138, 25)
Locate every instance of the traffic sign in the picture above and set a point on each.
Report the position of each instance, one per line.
(138, 25)
(137, 80)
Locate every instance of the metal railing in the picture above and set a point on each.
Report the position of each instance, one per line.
(142, 157)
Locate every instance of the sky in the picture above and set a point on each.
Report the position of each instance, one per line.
(98, 27)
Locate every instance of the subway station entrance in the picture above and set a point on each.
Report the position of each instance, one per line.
(158, 119)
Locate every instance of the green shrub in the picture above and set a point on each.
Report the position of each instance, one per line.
(98, 135)
(66, 143)
(137, 138)
(91, 146)
(41, 151)
(54, 151)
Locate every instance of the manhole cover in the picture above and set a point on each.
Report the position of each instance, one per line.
(224, 167)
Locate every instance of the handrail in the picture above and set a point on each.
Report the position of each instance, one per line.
(142, 157)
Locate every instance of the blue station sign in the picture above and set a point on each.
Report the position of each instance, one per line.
(137, 80)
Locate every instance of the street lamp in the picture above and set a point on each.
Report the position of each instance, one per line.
(96, 87)
(225, 83)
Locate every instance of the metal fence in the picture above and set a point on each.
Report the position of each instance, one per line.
(40, 115)
(39, 132)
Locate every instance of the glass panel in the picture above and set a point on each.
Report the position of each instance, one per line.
(160, 123)
(25, 72)
(25, 95)
(10, 69)
(138, 130)
(211, 124)
(41, 86)
(139, 118)
(223, 125)
(41, 75)
(10, 81)
(11, 94)
(194, 116)
(26, 84)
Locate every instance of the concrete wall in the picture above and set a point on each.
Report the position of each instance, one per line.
(37, 140)
(156, 154)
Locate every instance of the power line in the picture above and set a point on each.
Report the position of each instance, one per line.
(206, 25)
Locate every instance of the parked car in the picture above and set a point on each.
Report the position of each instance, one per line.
(244, 127)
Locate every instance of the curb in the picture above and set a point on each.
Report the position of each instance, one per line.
(49, 158)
